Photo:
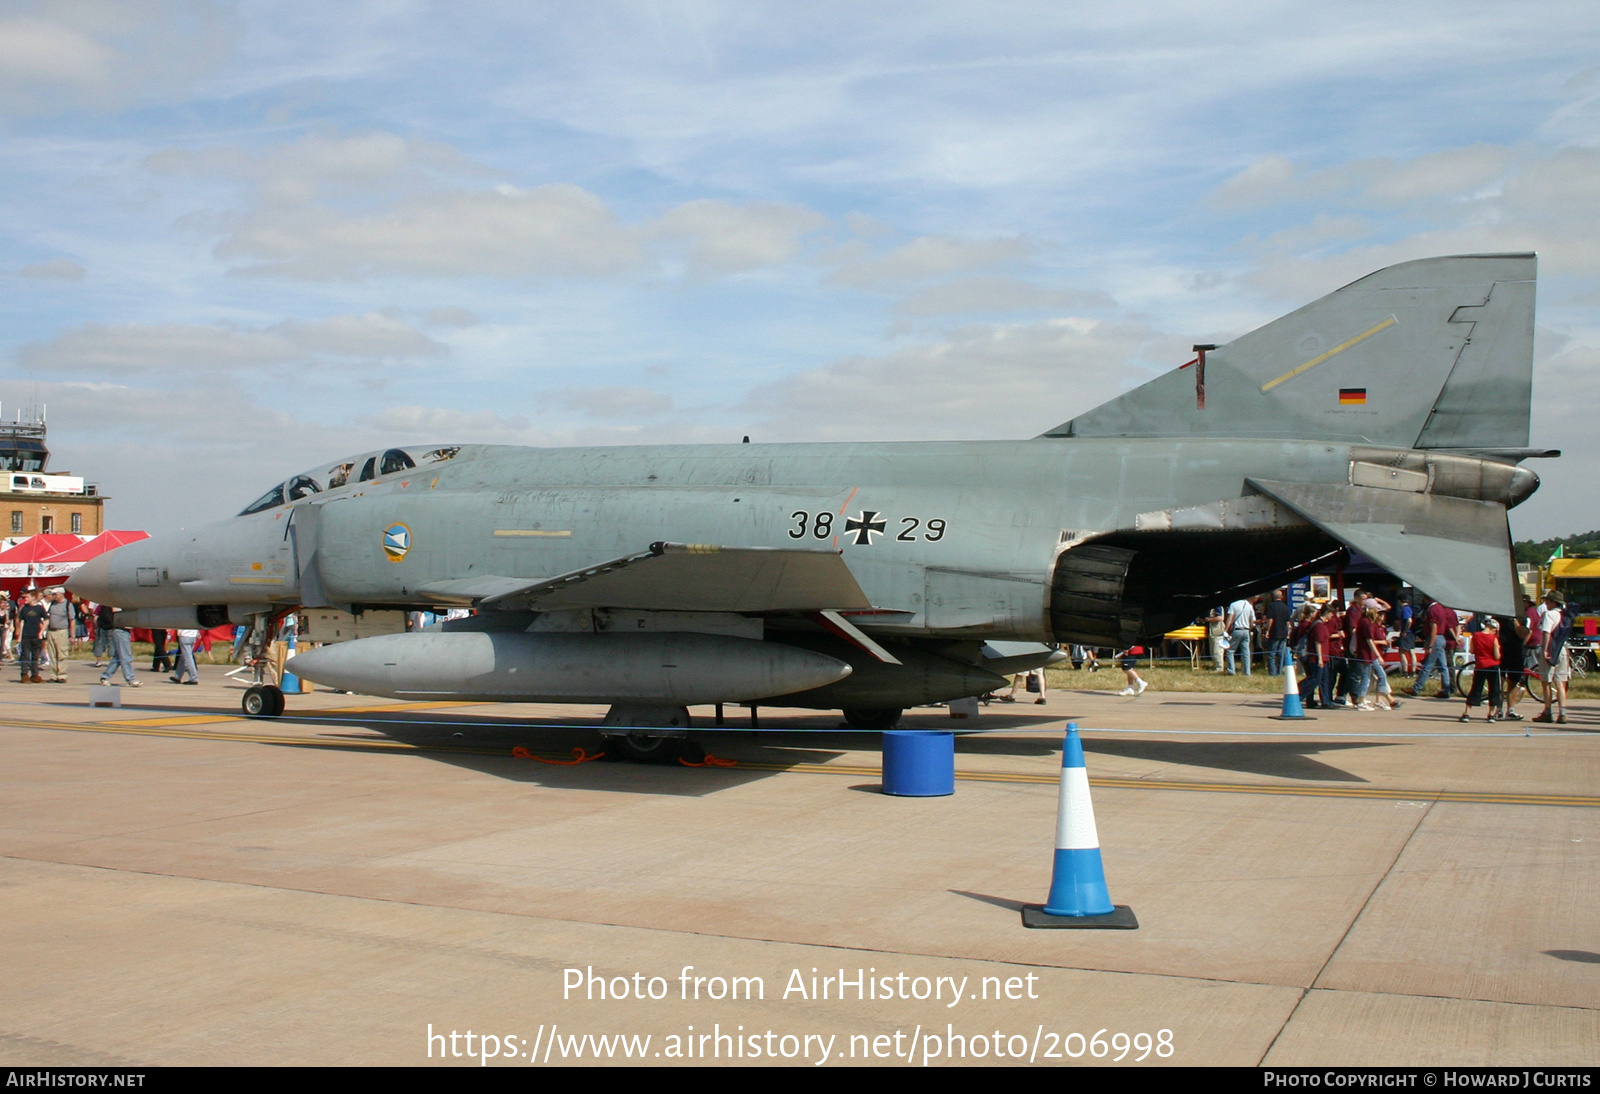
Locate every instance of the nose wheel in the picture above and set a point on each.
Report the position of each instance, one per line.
(263, 701)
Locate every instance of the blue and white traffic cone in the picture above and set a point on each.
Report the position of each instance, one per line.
(1292, 707)
(1078, 895)
(290, 684)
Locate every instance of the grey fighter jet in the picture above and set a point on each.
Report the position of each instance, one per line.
(1389, 417)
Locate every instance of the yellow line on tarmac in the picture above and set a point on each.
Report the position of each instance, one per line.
(386, 708)
(175, 720)
(130, 729)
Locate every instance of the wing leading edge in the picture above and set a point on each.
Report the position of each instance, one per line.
(676, 577)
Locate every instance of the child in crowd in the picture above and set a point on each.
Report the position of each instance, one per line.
(1128, 662)
(1485, 670)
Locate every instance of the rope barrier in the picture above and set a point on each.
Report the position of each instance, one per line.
(709, 761)
(579, 756)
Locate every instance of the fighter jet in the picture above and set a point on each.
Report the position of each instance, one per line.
(1389, 417)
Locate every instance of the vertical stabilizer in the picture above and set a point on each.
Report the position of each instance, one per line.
(1436, 353)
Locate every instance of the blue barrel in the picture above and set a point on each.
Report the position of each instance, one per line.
(919, 763)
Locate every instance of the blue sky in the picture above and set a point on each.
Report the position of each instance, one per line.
(241, 239)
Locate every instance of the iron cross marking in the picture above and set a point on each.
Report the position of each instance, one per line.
(865, 527)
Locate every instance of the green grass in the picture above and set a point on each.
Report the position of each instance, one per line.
(1168, 677)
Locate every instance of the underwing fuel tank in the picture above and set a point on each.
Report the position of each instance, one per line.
(661, 667)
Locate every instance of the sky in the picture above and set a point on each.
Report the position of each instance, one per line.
(241, 239)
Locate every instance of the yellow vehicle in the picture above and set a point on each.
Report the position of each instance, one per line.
(1578, 581)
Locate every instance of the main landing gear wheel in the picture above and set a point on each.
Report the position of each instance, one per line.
(875, 718)
(641, 749)
(263, 701)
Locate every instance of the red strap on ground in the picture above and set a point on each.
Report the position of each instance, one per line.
(709, 761)
(579, 756)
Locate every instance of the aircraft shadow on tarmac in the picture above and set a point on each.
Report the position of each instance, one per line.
(1584, 956)
(1282, 759)
(555, 744)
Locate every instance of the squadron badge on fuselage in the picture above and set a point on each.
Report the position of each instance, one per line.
(396, 541)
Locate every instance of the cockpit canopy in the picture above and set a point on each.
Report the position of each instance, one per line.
(366, 467)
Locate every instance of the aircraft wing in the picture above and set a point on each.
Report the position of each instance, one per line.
(677, 577)
(1456, 550)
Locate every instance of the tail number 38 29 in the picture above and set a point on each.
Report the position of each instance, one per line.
(864, 527)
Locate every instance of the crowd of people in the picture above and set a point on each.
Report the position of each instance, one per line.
(41, 629)
(1342, 649)
(1346, 651)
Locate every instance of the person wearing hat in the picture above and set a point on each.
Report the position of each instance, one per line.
(1555, 623)
(58, 633)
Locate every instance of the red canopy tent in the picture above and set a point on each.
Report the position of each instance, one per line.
(43, 560)
(91, 548)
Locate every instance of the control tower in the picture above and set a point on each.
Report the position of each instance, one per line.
(22, 446)
(34, 499)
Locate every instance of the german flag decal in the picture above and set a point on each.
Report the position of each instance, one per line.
(1352, 396)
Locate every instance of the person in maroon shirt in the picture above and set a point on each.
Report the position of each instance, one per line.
(1440, 626)
(1317, 691)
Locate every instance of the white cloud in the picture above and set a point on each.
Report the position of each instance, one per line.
(346, 206)
(984, 380)
(1450, 174)
(997, 294)
(185, 348)
(300, 171)
(450, 316)
(57, 269)
(930, 256)
(617, 402)
(1475, 199)
(728, 238)
(108, 54)
(554, 230)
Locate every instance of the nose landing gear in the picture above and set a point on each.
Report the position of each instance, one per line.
(263, 701)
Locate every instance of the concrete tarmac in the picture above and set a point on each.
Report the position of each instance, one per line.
(358, 881)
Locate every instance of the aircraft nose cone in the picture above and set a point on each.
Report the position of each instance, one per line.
(92, 580)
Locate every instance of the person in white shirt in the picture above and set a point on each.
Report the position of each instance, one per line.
(1241, 624)
(1554, 668)
(186, 641)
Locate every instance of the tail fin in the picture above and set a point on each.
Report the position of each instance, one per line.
(1436, 353)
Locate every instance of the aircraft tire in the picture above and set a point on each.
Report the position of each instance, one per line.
(645, 750)
(262, 701)
(879, 718)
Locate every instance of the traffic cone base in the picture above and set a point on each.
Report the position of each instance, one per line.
(1293, 709)
(1120, 918)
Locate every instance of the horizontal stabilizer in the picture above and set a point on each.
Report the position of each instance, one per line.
(678, 577)
(1456, 550)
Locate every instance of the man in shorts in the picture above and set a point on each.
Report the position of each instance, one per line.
(1554, 670)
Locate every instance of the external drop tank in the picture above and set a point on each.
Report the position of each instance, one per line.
(666, 668)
